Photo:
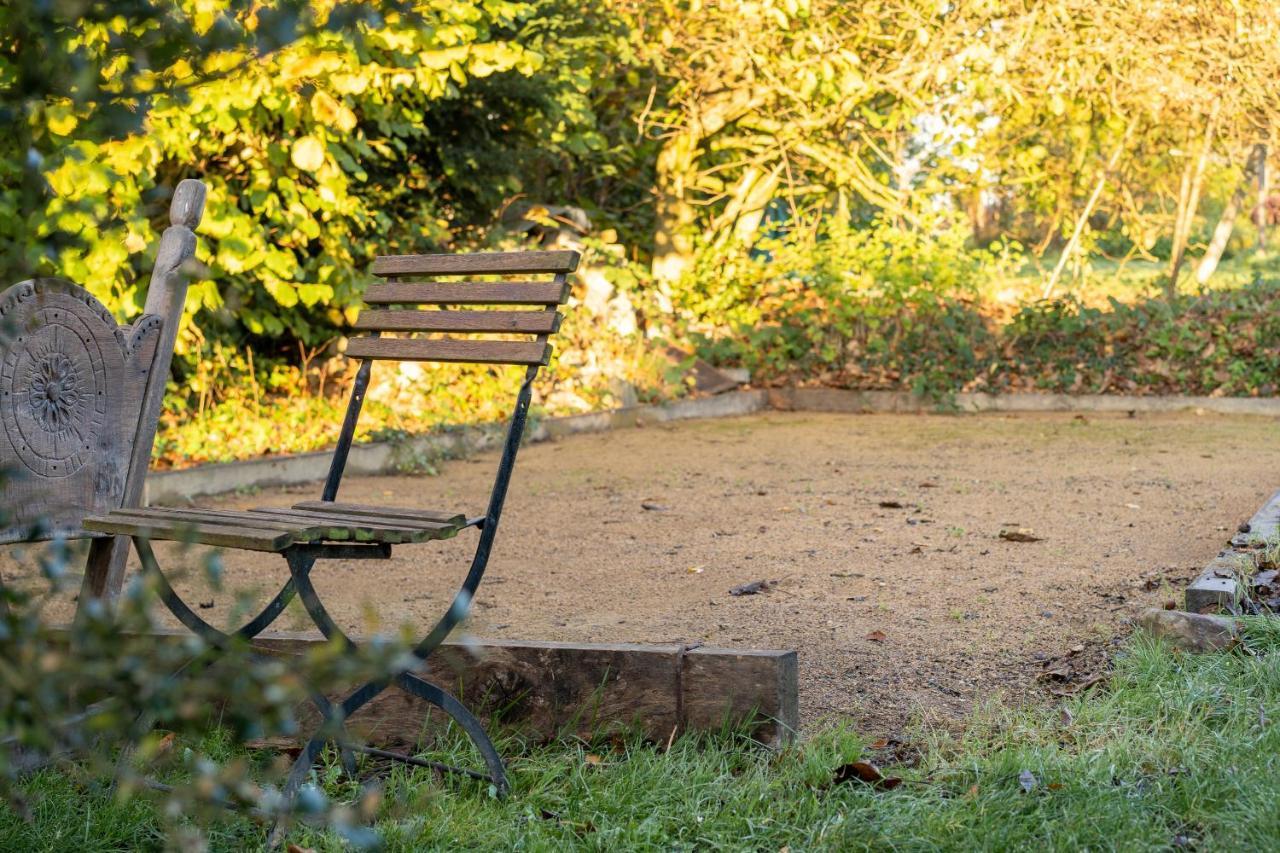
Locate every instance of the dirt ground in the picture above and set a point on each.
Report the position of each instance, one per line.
(879, 536)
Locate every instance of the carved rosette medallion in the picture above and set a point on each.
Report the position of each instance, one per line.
(54, 385)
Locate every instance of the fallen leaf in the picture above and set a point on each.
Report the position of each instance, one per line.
(865, 772)
(928, 485)
(166, 743)
(650, 506)
(877, 636)
(592, 759)
(891, 504)
(1028, 781)
(1019, 535)
(878, 744)
(751, 588)
(296, 848)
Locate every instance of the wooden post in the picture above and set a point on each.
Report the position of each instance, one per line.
(104, 572)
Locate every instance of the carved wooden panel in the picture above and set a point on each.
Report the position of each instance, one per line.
(71, 384)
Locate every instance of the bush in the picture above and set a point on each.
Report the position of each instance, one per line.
(880, 305)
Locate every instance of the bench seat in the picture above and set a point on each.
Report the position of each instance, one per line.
(275, 529)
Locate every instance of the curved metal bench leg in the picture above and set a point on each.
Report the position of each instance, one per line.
(429, 692)
(216, 638)
(192, 620)
(300, 565)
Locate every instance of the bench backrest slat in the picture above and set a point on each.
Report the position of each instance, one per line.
(510, 322)
(469, 352)
(468, 293)
(479, 263)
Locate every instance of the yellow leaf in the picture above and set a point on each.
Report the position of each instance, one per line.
(332, 112)
(307, 153)
(60, 119)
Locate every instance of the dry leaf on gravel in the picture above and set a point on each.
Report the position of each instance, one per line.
(1020, 534)
(877, 636)
(891, 504)
(752, 588)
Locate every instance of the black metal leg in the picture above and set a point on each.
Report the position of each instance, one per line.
(300, 565)
(191, 620)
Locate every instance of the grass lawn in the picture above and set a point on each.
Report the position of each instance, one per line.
(1177, 751)
(1099, 279)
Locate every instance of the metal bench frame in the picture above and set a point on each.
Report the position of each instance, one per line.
(338, 536)
(54, 389)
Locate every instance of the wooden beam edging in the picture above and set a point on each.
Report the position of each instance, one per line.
(551, 689)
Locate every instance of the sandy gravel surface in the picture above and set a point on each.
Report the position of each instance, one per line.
(879, 536)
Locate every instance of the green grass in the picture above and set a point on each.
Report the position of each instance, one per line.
(1176, 750)
(1101, 278)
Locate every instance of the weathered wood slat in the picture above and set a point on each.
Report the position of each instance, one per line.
(331, 519)
(469, 352)
(361, 530)
(178, 530)
(216, 517)
(510, 322)
(370, 511)
(477, 263)
(468, 293)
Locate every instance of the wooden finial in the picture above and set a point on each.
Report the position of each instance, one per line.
(188, 204)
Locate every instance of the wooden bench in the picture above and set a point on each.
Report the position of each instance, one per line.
(408, 306)
(80, 397)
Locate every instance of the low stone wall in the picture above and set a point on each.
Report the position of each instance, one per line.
(169, 487)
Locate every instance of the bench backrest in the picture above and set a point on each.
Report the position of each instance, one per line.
(526, 308)
(80, 395)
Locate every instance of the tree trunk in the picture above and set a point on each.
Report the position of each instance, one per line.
(1188, 202)
(1083, 219)
(1221, 236)
(1260, 213)
(674, 216)
(676, 171)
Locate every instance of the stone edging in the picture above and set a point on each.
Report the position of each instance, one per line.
(384, 457)
(387, 457)
(840, 400)
(1218, 586)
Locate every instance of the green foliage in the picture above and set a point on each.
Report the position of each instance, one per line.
(1174, 751)
(154, 730)
(879, 304)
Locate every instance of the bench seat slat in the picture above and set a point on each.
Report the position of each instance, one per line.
(181, 530)
(274, 529)
(468, 293)
(477, 263)
(304, 517)
(511, 322)
(462, 351)
(372, 511)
